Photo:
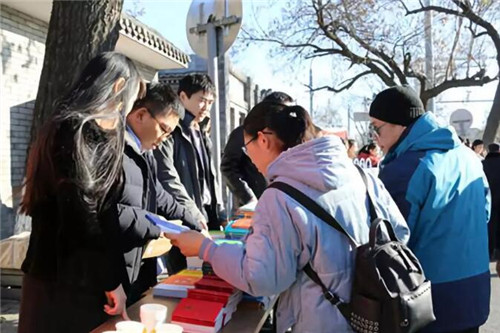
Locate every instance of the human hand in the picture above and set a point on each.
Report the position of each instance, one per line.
(116, 303)
(189, 242)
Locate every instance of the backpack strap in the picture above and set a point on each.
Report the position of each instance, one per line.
(322, 214)
(371, 206)
(313, 207)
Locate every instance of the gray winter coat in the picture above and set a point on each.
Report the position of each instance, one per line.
(285, 236)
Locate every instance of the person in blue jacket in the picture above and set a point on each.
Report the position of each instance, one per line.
(285, 236)
(440, 187)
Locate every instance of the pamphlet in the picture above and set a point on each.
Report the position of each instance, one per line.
(164, 225)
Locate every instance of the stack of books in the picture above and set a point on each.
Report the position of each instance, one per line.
(178, 285)
(238, 229)
(209, 292)
(196, 315)
(239, 226)
(229, 300)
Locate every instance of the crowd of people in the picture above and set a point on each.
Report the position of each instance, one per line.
(115, 149)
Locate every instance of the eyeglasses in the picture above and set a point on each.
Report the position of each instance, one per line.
(244, 148)
(377, 129)
(164, 132)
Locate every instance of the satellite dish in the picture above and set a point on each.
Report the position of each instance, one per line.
(201, 11)
(461, 120)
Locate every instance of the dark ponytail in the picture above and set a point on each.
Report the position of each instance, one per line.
(291, 124)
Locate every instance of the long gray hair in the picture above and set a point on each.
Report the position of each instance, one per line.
(96, 152)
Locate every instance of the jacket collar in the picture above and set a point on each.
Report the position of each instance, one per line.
(188, 119)
(132, 140)
(492, 155)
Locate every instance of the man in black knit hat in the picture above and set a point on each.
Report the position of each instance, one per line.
(439, 186)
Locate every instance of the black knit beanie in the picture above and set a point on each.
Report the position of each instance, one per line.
(398, 105)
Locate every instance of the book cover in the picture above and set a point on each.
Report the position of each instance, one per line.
(214, 284)
(191, 272)
(209, 295)
(228, 241)
(181, 281)
(243, 223)
(164, 291)
(234, 233)
(198, 312)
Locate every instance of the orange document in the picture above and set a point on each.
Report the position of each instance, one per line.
(181, 281)
(243, 223)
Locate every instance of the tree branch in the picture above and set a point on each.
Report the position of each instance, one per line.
(379, 53)
(469, 14)
(478, 79)
(283, 44)
(329, 31)
(345, 87)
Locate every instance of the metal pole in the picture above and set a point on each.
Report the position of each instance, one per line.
(214, 113)
(429, 58)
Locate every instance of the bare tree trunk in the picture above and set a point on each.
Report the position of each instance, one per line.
(425, 100)
(493, 122)
(78, 31)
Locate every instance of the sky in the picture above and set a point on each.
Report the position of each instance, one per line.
(169, 18)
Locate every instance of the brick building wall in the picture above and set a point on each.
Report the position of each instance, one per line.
(23, 48)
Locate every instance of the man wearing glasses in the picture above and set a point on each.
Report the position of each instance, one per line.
(151, 121)
(439, 186)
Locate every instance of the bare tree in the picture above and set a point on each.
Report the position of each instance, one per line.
(380, 39)
(78, 31)
(480, 27)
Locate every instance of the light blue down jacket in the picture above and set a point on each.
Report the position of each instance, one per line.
(285, 236)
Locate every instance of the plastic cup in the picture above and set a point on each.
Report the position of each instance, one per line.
(129, 326)
(152, 315)
(168, 328)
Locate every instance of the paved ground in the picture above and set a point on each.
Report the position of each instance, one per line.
(10, 310)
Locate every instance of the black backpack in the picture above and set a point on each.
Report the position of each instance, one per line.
(390, 293)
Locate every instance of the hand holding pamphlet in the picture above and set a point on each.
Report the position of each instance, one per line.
(160, 246)
(164, 225)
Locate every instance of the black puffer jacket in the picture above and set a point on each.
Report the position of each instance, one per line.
(242, 176)
(491, 166)
(143, 193)
(178, 172)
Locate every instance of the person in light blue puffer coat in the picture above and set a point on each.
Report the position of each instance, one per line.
(285, 236)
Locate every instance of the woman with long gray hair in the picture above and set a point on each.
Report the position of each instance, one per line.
(74, 265)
